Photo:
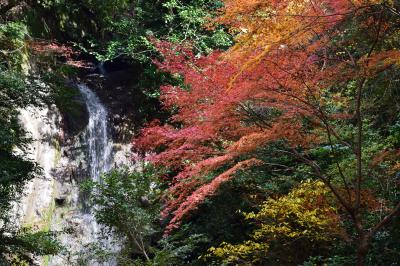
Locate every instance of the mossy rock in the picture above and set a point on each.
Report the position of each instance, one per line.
(73, 109)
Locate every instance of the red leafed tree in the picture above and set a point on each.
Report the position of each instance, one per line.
(273, 85)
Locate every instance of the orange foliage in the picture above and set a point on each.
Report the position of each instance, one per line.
(261, 90)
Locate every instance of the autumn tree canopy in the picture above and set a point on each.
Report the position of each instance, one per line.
(302, 74)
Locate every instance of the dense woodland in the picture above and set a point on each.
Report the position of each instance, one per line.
(273, 137)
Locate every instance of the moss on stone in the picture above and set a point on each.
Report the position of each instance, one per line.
(73, 109)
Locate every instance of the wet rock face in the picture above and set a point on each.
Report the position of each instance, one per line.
(52, 200)
(128, 106)
(43, 125)
(118, 93)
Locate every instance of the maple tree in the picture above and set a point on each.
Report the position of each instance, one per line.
(297, 74)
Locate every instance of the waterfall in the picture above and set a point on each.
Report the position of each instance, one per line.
(99, 149)
(97, 158)
(55, 201)
(97, 135)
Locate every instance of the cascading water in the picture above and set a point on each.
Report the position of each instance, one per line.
(99, 149)
(97, 136)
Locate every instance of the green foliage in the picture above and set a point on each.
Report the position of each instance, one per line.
(186, 22)
(69, 20)
(19, 248)
(127, 203)
(177, 21)
(111, 29)
(14, 166)
(16, 92)
(126, 196)
(12, 44)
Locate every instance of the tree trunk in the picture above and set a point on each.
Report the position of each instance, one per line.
(362, 249)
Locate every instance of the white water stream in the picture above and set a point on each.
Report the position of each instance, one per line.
(97, 134)
(100, 157)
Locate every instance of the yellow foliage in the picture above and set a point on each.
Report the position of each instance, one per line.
(246, 253)
(306, 213)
